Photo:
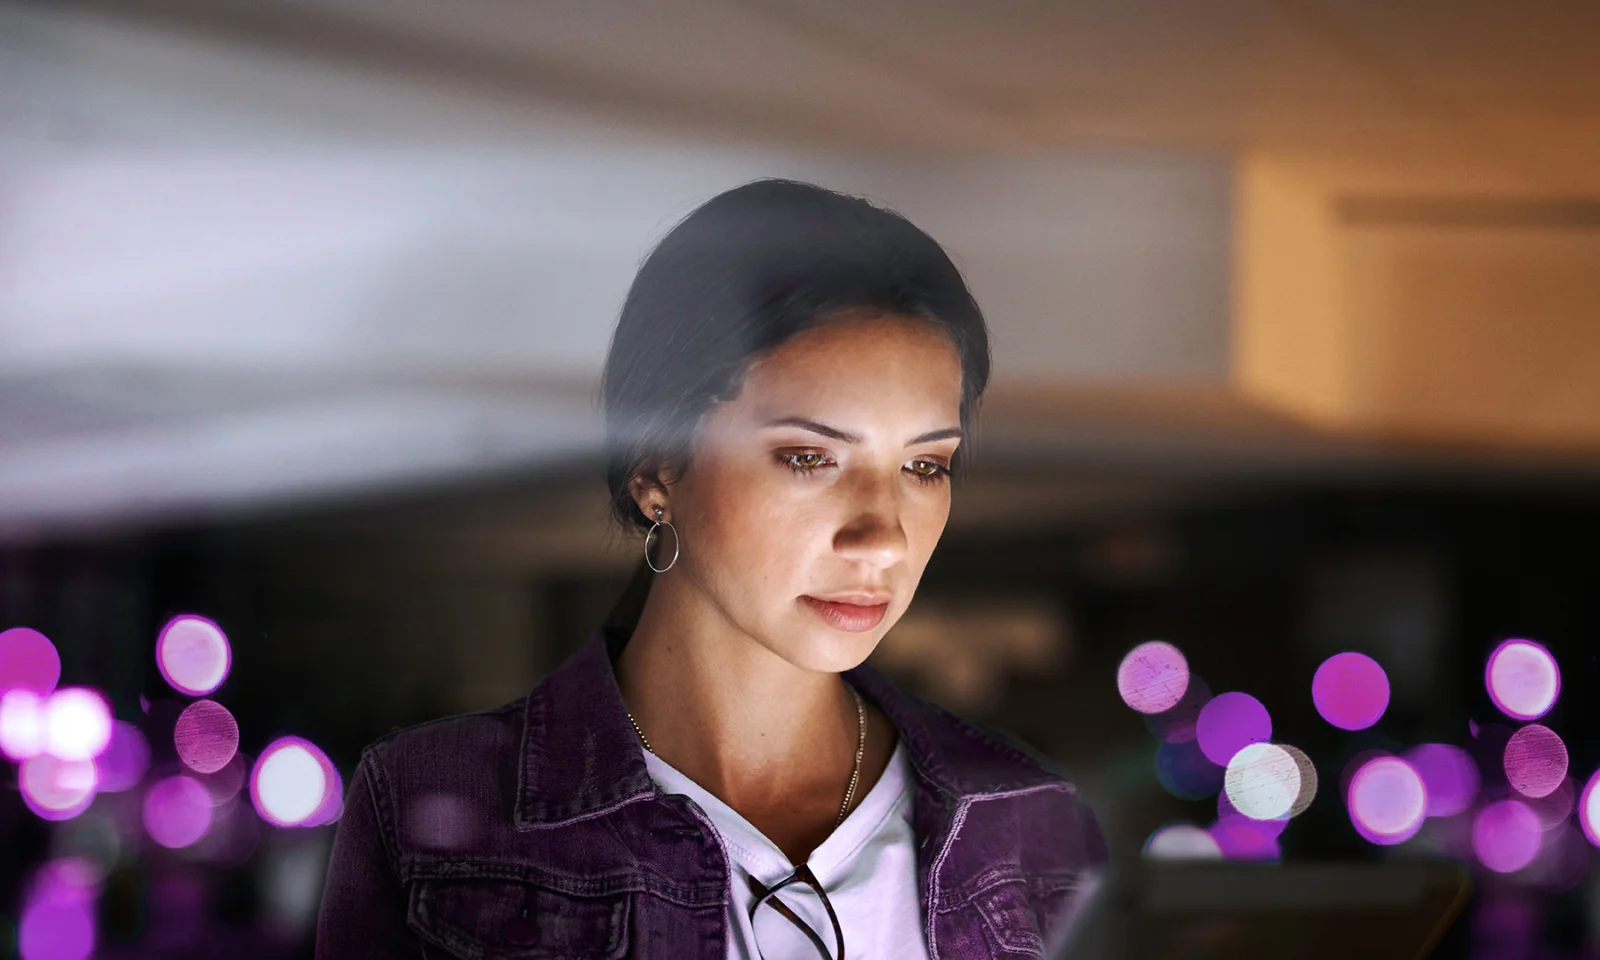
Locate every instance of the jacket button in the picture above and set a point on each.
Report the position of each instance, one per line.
(520, 932)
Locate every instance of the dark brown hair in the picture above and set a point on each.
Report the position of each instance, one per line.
(742, 274)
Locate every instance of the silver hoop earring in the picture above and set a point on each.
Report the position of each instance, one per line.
(652, 532)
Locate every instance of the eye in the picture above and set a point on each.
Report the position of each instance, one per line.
(927, 471)
(803, 462)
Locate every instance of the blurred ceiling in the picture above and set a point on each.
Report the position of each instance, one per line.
(259, 251)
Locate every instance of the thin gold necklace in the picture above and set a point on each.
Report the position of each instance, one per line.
(855, 772)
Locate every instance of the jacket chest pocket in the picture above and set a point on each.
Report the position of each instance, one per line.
(475, 919)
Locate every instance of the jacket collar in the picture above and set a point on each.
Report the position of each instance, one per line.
(581, 758)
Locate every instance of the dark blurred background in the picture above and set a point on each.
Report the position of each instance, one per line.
(1296, 320)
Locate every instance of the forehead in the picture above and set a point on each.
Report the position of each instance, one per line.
(893, 359)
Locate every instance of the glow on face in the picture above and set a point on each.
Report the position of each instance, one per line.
(1449, 774)
(193, 655)
(1387, 800)
(1535, 761)
(77, 724)
(1506, 836)
(1153, 677)
(1229, 723)
(1263, 781)
(294, 784)
(1523, 679)
(1350, 691)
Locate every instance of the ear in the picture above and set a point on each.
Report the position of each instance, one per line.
(649, 491)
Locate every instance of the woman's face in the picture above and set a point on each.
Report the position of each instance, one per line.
(827, 478)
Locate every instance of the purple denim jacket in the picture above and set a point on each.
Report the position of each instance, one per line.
(534, 830)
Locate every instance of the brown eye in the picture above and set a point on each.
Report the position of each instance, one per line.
(926, 471)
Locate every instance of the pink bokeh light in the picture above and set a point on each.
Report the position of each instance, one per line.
(77, 723)
(1387, 800)
(1535, 760)
(56, 789)
(1589, 809)
(193, 654)
(1229, 723)
(294, 784)
(206, 736)
(177, 812)
(1241, 838)
(1523, 679)
(58, 920)
(1350, 691)
(126, 758)
(1153, 677)
(21, 724)
(1450, 775)
(28, 661)
(1506, 836)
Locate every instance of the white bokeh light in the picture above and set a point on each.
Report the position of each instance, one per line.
(1182, 841)
(21, 724)
(1263, 781)
(289, 784)
(77, 724)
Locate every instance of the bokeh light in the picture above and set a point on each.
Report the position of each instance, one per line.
(1229, 723)
(1350, 691)
(1535, 760)
(1308, 780)
(28, 661)
(1555, 807)
(1589, 809)
(57, 789)
(193, 655)
(126, 758)
(1506, 836)
(58, 920)
(1176, 723)
(1450, 775)
(1182, 841)
(1387, 800)
(206, 736)
(1153, 677)
(21, 724)
(1262, 781)
(1523, 679)
(1271, 826)
(1241, 838)
(1185, 771)
(225, 784)
(294, 784)
(77, 724)
(177, 812)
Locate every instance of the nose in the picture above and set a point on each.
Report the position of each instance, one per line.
(874, 534)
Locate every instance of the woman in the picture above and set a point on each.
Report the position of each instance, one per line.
(716, 775)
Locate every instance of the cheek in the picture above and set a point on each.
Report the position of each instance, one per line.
(751, 521)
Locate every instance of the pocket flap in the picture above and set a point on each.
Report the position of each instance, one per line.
(481, 919)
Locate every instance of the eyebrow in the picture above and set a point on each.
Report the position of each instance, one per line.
(833, 433)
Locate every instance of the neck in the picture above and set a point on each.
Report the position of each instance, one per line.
(756, 731)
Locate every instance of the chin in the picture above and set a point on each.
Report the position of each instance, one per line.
(825, 650)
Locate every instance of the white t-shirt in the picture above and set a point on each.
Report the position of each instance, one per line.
(867, 867)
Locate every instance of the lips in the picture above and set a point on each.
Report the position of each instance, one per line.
(860, 614)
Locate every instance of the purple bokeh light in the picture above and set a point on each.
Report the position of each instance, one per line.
(1506, 836)
(1153, 676)
(1271, 826)
(1229, 723)
(1387, 800)
(1450, 775)
(1350, 691)
(1535, 760)
(206, 736)
(1523, 679)
(1589, 809)
(193, 654)
(1241, 838)
(28, 661)
(1185, 772)
(77, 723)
(177, 812)
(58, 921)
(1176, 724)
(56, 789)
(126, 758)
(294, 784)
